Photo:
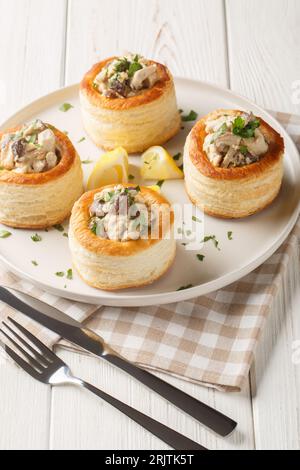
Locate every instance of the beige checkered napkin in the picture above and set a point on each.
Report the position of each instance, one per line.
(209, 340)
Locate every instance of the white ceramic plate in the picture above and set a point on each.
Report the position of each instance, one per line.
(254, 238)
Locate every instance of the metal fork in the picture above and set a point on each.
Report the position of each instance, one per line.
(45, 366)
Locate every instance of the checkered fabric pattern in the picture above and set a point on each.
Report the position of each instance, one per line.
(209, 340)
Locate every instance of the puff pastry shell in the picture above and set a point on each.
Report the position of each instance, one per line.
(135, 123)
(40, 200)
(111, 264)
(237, 191)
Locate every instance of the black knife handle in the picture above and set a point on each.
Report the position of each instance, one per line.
(206, 415)
(173, 438)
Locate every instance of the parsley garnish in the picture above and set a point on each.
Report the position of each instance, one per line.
(60, 274)
(131, 177)
(65, 235)
(59, 227)
(122, 65)
(160, 183)
(65, 107)
(213, 239)
(36, 238)
(192, 116)
(196, 219)
(85, 162)
(229, 235)
(34, 263)
(246, 131)
(177, 156)
(94, 228)
(219, 132)
(185, 287)
(70, 274)
(5, 234)
(200, 257)
(81, 140)
(134, 67)
(243, 149)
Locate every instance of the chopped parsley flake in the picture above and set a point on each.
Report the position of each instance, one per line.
(200, 257)
(5, 234)
(131, 177)
(196, 219)
(229, 235)
(244, 130)
(65, 235)
(59, 227)
(34, 262)
(70, 274)
(213, 239)
(192, 116)
(185, 287)
(36, 238)
(81, 140)
(65, 107)
(60, 274)
(134, 67)
(177, 156)
(85, 162)
(160, 183)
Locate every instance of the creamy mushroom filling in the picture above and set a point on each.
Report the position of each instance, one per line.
(234, 140)
(126, 76)
(32, 149)
(120, 214)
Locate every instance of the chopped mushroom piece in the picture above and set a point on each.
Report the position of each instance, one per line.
(30, 150)
(234, 140)
(126, 76)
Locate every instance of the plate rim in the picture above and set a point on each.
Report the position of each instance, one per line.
(135, 300)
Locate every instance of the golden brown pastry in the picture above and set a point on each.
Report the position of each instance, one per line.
(233, 164)
(40, 176)
(130, 102)
(121, 236)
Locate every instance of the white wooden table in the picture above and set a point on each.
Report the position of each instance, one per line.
(251, 46)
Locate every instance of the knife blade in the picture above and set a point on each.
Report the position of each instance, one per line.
(78, 334)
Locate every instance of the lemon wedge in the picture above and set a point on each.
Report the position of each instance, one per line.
(157, 163)
(111, 167)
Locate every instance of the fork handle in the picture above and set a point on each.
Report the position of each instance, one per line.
(166, 434)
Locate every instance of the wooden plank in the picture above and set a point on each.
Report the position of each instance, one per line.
(191, 41)
(275, 378)
(82, 421)
(264, 44)
(264, 61)
(186, 36)
(32, 35)
(31, 49)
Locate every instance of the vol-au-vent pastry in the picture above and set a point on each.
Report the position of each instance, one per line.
(129, 101)
(40, 176)
(233, 163)
(121, 236)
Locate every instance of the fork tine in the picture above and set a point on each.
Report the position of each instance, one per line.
(28, 346)
(33, 362)
(34, 340)
(27, 367)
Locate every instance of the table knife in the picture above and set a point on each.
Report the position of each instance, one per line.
(78, 334)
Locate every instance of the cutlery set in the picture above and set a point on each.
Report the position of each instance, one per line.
(43, 365)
